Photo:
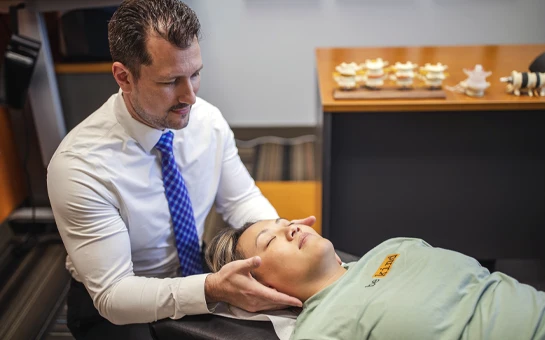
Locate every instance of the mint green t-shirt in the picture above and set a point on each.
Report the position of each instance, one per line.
(406, 289)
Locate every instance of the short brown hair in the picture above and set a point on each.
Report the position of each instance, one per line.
(134, 20)
(223, 247)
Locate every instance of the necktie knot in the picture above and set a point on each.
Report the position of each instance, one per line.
(165, 143)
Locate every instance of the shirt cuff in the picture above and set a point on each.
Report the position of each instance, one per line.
(212, 306)
(190, 298)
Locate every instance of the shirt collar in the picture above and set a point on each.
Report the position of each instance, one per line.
(145, 135)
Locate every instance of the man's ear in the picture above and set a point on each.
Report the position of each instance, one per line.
(123, 77)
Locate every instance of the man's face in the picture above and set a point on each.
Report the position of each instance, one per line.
(292, 254)
(163, 95)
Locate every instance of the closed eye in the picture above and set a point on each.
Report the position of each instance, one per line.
(269, 242)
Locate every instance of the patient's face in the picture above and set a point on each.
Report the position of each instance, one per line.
(291, 254)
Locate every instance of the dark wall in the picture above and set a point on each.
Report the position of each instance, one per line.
(469, 181)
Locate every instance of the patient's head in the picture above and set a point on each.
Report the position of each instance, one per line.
(294, 258)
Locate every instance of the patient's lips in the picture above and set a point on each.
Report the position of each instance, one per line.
(303, 239)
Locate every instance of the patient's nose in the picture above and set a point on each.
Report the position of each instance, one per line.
(291, 231)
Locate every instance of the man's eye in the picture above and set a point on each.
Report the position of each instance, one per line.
(196, 74)
(270, 242)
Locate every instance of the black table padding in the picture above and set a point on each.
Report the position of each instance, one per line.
(212, 327)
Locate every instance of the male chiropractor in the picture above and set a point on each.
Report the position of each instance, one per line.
(131, 186)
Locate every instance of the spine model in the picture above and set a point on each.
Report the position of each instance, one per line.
(525, 82)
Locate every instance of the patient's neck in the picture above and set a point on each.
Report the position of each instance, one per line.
(324, 280)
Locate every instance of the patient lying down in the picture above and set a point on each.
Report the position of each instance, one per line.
(401, 289)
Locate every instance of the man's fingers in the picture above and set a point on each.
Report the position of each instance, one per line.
(274, 307)
(252, 263)
(247, 265)
(306, 221)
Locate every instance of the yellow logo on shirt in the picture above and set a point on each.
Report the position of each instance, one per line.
(384, 268)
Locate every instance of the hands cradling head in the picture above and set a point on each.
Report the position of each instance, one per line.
(292, 254)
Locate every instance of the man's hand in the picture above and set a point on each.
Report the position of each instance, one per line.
(310, 222)
(235, 285)
(306, 221)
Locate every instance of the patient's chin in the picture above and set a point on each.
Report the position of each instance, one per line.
(326, 248)
(325, 256)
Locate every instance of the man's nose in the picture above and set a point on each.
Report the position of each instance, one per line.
(291, 231)
(186, 94)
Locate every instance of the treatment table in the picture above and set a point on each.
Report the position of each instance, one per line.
(212, 327)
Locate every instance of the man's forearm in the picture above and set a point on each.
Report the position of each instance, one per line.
(140, 300)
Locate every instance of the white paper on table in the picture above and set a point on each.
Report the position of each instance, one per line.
(283, 320)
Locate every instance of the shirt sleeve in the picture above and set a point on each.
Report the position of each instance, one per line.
(97, 241)
(238, 199)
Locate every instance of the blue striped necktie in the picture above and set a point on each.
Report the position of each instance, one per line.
(181, 211)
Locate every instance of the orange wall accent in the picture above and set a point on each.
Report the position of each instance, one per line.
(12, 187)
(294, 200)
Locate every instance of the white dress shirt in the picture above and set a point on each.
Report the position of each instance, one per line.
(106, 190)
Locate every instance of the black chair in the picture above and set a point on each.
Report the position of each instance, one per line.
(213, 327)
(538, 65)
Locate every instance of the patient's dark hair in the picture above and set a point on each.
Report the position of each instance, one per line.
(223, 247)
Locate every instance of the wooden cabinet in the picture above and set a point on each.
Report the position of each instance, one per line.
(462, 173)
